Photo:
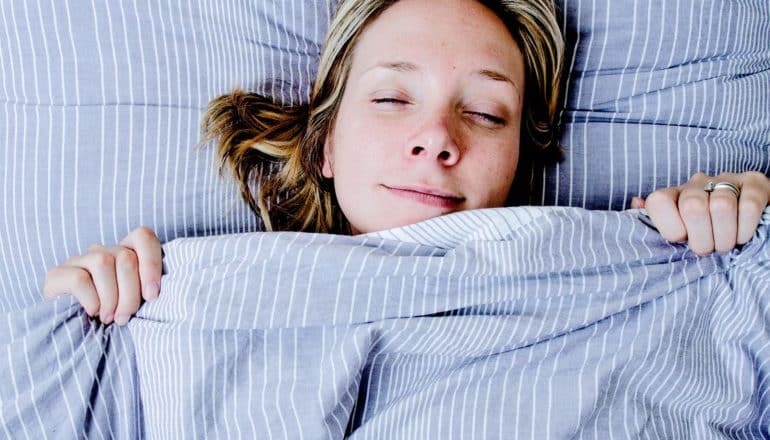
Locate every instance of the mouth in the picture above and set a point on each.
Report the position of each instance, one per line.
(427, 196)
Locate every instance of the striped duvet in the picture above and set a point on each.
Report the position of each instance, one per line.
(502, 323)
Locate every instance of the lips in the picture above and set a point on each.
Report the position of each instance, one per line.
(427, 196)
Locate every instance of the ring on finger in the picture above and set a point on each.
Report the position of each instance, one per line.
(711, 187)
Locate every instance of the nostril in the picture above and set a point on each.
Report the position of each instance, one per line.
(417, 150)
(443, 156)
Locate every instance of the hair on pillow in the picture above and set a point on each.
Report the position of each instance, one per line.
(102, 101)
(656, 92)
(101, 109)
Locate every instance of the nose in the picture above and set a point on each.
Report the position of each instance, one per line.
(434, 140)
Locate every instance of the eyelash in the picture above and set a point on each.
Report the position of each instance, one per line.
(389, 100)
(485, 116)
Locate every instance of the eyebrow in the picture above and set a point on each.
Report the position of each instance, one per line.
(495, 76)
(399, 66)
(405, 66)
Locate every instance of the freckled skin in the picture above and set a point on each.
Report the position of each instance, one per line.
(435, 126)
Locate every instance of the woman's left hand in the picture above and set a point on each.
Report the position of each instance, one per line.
(709, 221)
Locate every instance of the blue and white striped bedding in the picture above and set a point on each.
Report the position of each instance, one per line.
(561, 322)
(100, 103)
(503, 323)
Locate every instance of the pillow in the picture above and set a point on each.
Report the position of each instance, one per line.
(101, 104)
(656, 92)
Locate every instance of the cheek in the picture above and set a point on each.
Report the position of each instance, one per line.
(359, 161)
(493, 177)
(361, 146)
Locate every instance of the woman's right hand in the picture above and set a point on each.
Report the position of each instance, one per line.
(111, 281)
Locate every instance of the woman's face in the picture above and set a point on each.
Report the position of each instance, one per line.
(430, 117)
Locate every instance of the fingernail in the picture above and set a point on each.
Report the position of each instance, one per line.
(152, 289)
(107, 319)
(121, 319)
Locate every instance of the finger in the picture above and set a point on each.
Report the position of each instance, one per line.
(147, 247)
(723, 209)
(129, 292)
(662, 207)
(637, 203)
(755, 196)
(694, 209)
(100, 263)
(75, 281)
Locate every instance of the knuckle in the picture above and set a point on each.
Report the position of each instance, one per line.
(725, 175)
(752, 206)
(103, 259)
(755, 176)
(721, 205)
(96, 246)
(656, 195)
(658, 198)
(143, 233)
(127, 258)
(699, 176)
(692, 206)
(81, 278)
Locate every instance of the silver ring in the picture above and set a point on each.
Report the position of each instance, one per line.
(711, 186)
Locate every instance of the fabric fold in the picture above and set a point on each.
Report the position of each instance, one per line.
(511, 322)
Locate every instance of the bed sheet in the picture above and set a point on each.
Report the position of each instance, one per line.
(514, 322)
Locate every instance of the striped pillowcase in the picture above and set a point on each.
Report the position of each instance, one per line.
(101, 103)
(657, 92)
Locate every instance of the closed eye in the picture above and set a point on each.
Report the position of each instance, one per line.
(389, 101)
(486, 117)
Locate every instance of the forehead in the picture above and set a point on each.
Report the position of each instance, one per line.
(456, 32)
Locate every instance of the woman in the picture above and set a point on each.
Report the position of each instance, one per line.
(420, 108)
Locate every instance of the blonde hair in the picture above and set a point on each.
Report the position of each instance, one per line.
(254, 131)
